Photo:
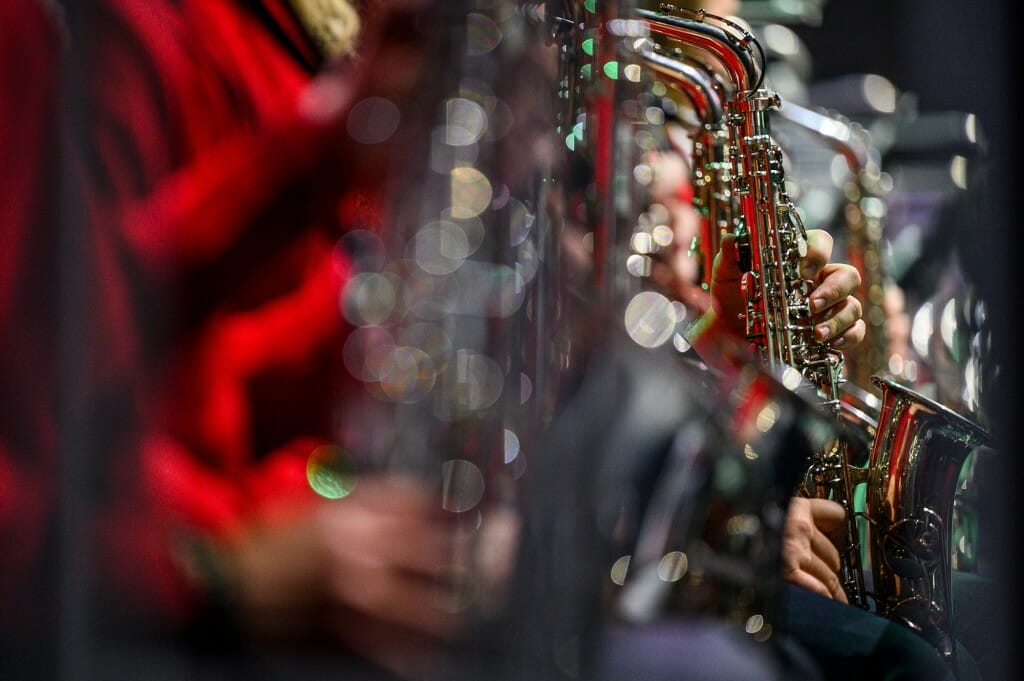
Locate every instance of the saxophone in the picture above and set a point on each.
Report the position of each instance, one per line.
(771, 241)
(712, 193)
(864, 212)
(916, 458)
(919, 446)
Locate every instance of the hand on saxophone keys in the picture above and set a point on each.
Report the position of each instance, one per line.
(836, 312)
(809, 556)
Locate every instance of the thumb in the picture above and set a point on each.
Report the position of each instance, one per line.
(727, 266)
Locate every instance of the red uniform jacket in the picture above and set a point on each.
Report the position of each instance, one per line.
(215, 222)
(29, 54)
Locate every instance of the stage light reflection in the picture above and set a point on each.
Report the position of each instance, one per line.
(767, 417)
(654, 115)
(466, 122)
(462, 486)
(430, 338)
(880, 93)
(330, 473)
(782, 39)
(839, 171)
(620, 568)
(971, 128)
(511, 449)
(650, 319)
(373, 120)
(662, 235)
(486, 289)
(525, 388)
(958, 171)
(481, 380)
(948, 326)
(429, 297)
(791, 378)
(639, 265)
(473, 228)
(440, 247)
(444, 157)
(527, 262)
(366, 351)
(520, 221)
(483, 34)
(369, 298)
(746, 524)
(643, 174)
(471, 192)
(672, 566)
(921, 330)
(409, 376)
(642, 243)
(467, 384)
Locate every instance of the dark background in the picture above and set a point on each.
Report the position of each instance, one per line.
(961, 56)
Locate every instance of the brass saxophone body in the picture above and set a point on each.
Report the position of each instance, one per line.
(919, 446)
(771, 241)
(864, 211)
(710, 171)
(778, 316)
(915, 460)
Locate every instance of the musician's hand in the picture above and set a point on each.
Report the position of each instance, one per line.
(809, 558)
(373, 569)
(837, 314)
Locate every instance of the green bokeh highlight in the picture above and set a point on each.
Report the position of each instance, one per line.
(331, 474)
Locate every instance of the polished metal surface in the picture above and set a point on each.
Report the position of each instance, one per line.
(915, 462)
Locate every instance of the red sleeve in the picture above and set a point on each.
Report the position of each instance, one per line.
(187, 154)
(29, 50)
(196, 142)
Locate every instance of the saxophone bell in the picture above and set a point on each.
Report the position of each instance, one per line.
(915, 461)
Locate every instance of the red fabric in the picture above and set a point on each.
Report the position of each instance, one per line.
(685, 192)
(28, 173)
(215, 245)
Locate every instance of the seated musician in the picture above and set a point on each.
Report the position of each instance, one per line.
(220, 177)
(875, 647)
(217, 133)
